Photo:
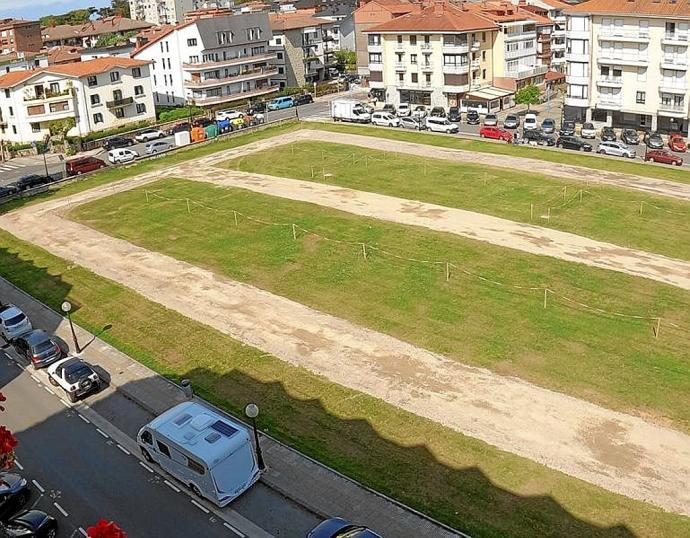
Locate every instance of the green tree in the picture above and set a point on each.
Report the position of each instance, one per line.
(529, 95)
(346, 60)
(108, 40)
(76, 16)
(59, 128)
(117, 8)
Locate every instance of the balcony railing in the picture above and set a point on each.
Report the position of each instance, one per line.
(456, 46)
(474, 64)
(673, 86)
(118, 103)
(610, 80)
(608, 56)
(605, 101)
(424, 45)
(675, 60)
(672, 107)
(216, 99)
(614, 34)
(237, 77)
(676, 36)
(47, 94)
(237, 60)
(528, 72)
(426, 66)
(400, 66)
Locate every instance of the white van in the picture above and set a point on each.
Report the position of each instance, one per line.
(530, 122)
(385, 119)
(122, 155)
(210, 453)
(441, 125)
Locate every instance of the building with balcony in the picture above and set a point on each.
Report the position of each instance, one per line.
(98, 94)
(87, 34)
(21, 61)
(19, 35)
(553, 10)
(210, 61)
(627, 63)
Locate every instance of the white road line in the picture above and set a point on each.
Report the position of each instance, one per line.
(146, 467)
(123, 449)
(84, 419)
(19, 465)
(63, 402)
(39, 487)
(61, 509)
(233, 529)
(48, 390)
(83, 532)
(202, 508)
(103, 433)
(35, 378)
(172, 486)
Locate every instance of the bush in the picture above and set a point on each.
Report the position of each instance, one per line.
(179, 113)
(18, 146)
(117, 130)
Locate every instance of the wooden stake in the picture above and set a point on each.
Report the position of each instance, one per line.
(353, 159)
(147, 196)
(323, 173)
(364, 250)
(292, 148)
(580, 195)
(312, 172)
(565, 192)
(366, 161)
(641, 206)
(294, 232)
(189, 209)
(447, 271)
(548, 214)
(658, 328)
(234, 214)
(545, 292)
(531, 211)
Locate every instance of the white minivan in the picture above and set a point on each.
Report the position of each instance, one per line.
(210, 453)
(441, 125)
(385, 119)
(122, 155)
(530, 122)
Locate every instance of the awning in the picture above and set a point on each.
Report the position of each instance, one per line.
(488, 94)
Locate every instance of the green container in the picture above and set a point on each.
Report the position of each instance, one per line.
(211, 131)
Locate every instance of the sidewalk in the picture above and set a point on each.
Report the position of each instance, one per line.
(296, 476)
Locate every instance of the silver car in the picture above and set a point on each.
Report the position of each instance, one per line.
(13, 322)
(158, 146)
(617, 149)
(490, 120)
(412, 123)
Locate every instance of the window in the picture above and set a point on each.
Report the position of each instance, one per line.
(414, 78)
(119, 113)
(138, 90)
(141, 108)
(640, 98)
(167, 47)
(279, 40)
(95, 99)
(92, 81)
(147, 437)
(428, 78)
(484, 37)
(253, 34)
(401, 77)
(7, 93)
(117, 95)
(163, 449)
(193, 59)
(98, 118)
(35, 127)
(426, 39)
(413, 58)
(14, 129)
(154, 80)
(191, 42)
(374, 39)
(114, 76)
(281, 70)
(413, 40)
(136, 72)
(279, 55)
(54, 87)
(224, 37)
(374, 57)
(400, 40)
(483, 74)
(11, 111)
(195, 466)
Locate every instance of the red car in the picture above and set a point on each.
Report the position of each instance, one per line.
(663, 156)
(677, 143)
(489, 131)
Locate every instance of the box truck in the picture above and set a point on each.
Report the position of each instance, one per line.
(349, 110)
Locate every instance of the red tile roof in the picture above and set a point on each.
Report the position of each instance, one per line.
(295, 20)
(439, 17)
(554, 75)
(661, 8)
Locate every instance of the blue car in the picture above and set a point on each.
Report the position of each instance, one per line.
(281, 102)
(338, 527)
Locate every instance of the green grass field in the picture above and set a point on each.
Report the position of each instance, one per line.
(607, 214)
(609, 360)
(459, 480)
(670, 173)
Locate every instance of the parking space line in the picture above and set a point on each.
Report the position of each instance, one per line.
(35, 378)
(84, 419)
(83, 532)
(19, 465)
(123, 449)
(200, 507)
(48, 390)
(103, 433)
(146, 467)
(61, 509)
(63, 402)
(39, 487)
(172, 486)
(233, 529)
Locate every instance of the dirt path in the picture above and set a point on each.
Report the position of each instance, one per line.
(619, 452)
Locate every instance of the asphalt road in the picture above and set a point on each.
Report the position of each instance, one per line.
(78, 458)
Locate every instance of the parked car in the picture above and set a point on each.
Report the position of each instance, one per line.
(663, 156)
(14, 494)
(202, 122)
(258, 108)
(608, 134)
(8, 190)
(30, 524)
(567, 128)
(404, 109)
(229, 114)
(419, 112)
(13, 322)
(572, 142)
(74, 376)
(38, 348)
(441, 125)
(438, 112)
(588, 130)
(385, 119)
(677, 143)
(630, 137)
(618, 149)
(539, 138)
(338, 527)
(388, 107)
(530, 122)
(472, 117)
(117, 142)
(81, 165)
(122, 155)
(303, 99)
(512, 121)
(31, 181)
(158, 146)
(412, 123)
(454, 114)
(280, 103)
(179, 127)
(491, 120)
(149, 134)
(653, 140)
(495, 133)
(548, 126)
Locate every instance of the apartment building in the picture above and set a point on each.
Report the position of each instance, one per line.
(627, 63)
(210, 61)
(86, 35)
(99, 94)
(21, 61)
(553, 10)
(19, 35)
(160, 12)
(303, 47)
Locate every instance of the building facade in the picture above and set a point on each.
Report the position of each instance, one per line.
(22, 61)
(86, 35)
(18, 35)
(98, 94)
(553, 10)
(160, 12)
(211, 61)
(627, 64)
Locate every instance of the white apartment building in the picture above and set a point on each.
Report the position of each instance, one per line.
(211, 61)
(161, 12)
(627, 63)
(99, 94)
(552, 46)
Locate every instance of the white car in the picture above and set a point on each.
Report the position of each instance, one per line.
(616, 148)
(229, 115)
(385, 119)
(74, 376)
(412, 123)
(404, 109)
(150, 134)
(530, 122)
(13, 322)
(419, 112)
(588, 131)
(158, 146)
(122, 155)
(441, 125)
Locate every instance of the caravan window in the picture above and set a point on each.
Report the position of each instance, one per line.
(163, 449)
(147, 438)
(195, 466)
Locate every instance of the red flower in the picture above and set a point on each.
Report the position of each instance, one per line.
(7, 441)
(105, 529)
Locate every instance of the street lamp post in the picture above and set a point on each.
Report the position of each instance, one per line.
(252, 411)
(66, 308)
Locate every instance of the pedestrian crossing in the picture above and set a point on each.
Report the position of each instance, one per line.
(9, 166)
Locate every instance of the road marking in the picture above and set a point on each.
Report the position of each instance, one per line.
(84, 419)
(103, 433)
(172, 486)
(39, 487)
(35, 378)
(123, 449)
(202, 508)
(19, 465)
(83, 532)
(146, 467)
(48, 390)
(233, 529)
(63, 402)
(61, 509)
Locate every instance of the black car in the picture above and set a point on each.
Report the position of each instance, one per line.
(572, 142)
(31, 181)
(7, 190)
(454, 114)
(180, 127)
(30, 524)
(117, 142)
(38, 348)
(608, 134)
(437, 112)
(14, 494)
(203, 122)
(567, 129)
(630, 136)
(473, 118)
(258, 107)
(303, 99)
(653, 140)
(535, 136)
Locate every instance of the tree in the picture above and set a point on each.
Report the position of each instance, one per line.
(76, 16)
(7, 444)
(346, 60)
(118, 8)
(108, 40)
(529, 95)
(105, 529)
(60, 128)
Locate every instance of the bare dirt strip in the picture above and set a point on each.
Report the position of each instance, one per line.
(622, 453)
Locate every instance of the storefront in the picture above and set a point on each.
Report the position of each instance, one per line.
(488, 100)
(415, 97)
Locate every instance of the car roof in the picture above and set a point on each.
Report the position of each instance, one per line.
(36, 337)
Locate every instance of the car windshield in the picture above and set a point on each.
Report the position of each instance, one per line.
(16, 320)
(77, 373)
(350, 532)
